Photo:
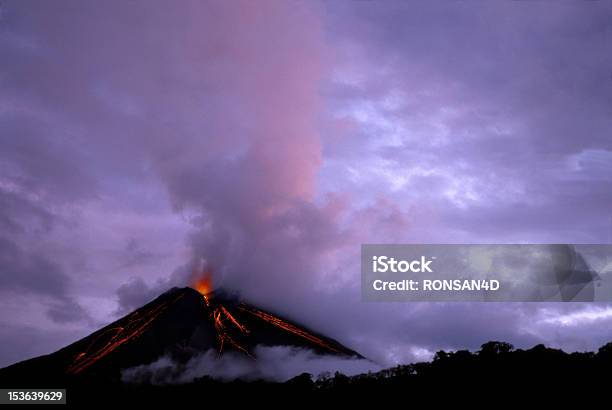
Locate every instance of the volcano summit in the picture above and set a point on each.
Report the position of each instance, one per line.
(182, 323)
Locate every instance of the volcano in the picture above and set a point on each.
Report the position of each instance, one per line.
(182, 323)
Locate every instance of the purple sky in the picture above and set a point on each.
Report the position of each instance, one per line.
(268, 140)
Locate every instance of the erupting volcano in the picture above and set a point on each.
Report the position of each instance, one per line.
(181, 322)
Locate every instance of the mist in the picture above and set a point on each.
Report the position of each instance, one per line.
(277, 364)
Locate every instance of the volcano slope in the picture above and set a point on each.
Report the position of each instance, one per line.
(181, 323)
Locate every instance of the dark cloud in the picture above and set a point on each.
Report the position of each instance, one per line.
(32, 273)
(19, 214)
(27, 217)
(135, 293)
(136, 254)
(27, 272)
(67, 311)
(42, 158)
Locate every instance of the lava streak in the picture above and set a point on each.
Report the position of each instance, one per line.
(287, 327)
(110, 339)
(221, 316)
(225, 323)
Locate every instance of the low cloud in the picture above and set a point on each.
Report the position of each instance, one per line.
(278, 364)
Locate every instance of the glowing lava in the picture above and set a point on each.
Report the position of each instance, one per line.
(236, 326)
(224, 322)
(287, 327)
(203, 284)
(110, 339)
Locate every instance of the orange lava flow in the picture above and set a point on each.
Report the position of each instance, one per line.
(221, 316)
(288, 327)
(233, 320)
(136, 324)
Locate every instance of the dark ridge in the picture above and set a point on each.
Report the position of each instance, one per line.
(496, 374)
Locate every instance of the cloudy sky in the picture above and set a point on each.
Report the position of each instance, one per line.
(269, 139)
